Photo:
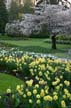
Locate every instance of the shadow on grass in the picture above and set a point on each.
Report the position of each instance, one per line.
(36, 49)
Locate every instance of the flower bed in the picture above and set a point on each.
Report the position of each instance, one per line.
(48, 84)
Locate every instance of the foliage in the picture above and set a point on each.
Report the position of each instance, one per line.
(60, 37)
(28, 6)
(15, 11)
(3, 16)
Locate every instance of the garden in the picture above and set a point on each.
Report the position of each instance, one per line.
(44, 80)
(35, 54)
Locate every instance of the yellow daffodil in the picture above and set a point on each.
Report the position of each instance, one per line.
(30, 101)
(67, 83)
(47, 98)
(8, 91)
(29, 93)
(34, 91)
(63, 104)
(38, 101)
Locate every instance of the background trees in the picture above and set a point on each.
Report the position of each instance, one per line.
(15, 11)
(28, 6)
(3, 16)
(54, 1)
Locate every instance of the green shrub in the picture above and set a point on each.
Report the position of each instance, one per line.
(61, 37)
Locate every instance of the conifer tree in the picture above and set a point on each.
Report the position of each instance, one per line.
(28, 6)
(3, 16)
(13, 11)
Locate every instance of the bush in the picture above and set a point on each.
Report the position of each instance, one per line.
(59, 37)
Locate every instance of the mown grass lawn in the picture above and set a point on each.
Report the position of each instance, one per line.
(38, 46)
(8, 81)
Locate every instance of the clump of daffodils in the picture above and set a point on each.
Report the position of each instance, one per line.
(29, 83)
(49, 84)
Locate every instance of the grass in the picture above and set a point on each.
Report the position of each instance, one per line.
(8, 81)
(37, 45)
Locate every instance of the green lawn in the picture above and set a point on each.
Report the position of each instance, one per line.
(8, 81)
(38, 45)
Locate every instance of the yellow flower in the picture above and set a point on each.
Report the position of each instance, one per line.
(40, 73)
(30, 101)
(47, 98)
(38, 96)
(54, 83)
(34, 91)
(55, 97)
(42, 93)
(36, 86)
(46, 91)
(13, 96)
(18, 87)
(24, 96)
(64, 96)
(67, 69)
(58, 80)
(61, 85)
(0, 97)
(57, 87)
(29, 93)
(29, 83)
(8, 91)
(68, 95)
(66, 91)
(63, 104)
(42, 82)
(38, 101)
(20, 92)
(67, 83)
(22, 86)
(54, 93)
(42, 67)
(37, 78)
(31, 70)
(61, 77)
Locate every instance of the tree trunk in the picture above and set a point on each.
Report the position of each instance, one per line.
(54, 42)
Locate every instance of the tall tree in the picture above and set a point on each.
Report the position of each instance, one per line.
(28, 6)
(13, 11)
(3, 16)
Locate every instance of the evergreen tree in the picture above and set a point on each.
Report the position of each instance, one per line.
(13, 11)
(28, 6)
(3, 16)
